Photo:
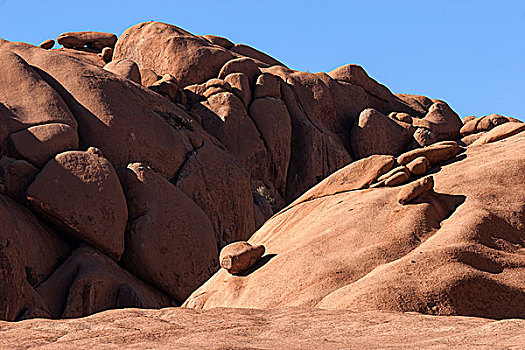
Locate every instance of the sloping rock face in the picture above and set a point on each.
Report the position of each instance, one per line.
(130, 171)
(457, 249)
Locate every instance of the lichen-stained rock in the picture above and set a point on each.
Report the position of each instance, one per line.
(415, 190)
(80, 192)
(15, 177)
(91, 40)
(39, 143)
(89, 282)
(29, 252)
(435, 153)
(237, 257)
(33, 102)
(272, 120)
(166, 49)
(362, 250)
(170, 240)
(500, 132)
(124, 68)
(375, 133)
(219, 184)
(423, 137)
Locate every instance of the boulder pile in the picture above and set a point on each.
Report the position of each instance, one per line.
(126, 168)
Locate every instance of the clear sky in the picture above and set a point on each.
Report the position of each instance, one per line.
(470, 53)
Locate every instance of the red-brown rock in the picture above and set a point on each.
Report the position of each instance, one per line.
(240, 86)
(89, 282)
(15, 177)
(92, 40)
(166, 49)
(219, 40)
(170, 240)
(249, 51)
(500, 132)
(29, 252)
(375, 133)
(244, 65)
(80, 192)
(124, 68)
(39, 143)
(238, 257)
(47, 44)
(273, 122)
(219, 184)
(33, 102)
(436, 153)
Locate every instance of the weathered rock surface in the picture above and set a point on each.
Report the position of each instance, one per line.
(190, 59)
(91, 40)
(262, 329)
(415, 190)
(220, 137)
(436, 153)
(33, 102)
(125, 68)
(29, 253)
(15, 177)
(361, 250)
(375, 133)
(170, 241)
(47, 44)
(80, 192)
(238, 257)
(39, 143)
(88, 282)
(500, 132)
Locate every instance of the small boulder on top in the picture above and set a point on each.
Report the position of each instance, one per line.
(91, 40)
(237, 257)
(47, 44)
(415, 190)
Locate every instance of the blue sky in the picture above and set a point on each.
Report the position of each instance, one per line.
(468, 53)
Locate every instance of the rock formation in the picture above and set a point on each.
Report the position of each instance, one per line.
(127, 164)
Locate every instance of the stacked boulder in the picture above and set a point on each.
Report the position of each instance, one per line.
(132, 171)
(475, 128)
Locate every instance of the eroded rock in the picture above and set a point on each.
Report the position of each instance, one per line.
(80, 192)
(239, 256)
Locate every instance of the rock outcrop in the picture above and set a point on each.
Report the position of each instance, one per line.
(127, 164)
(361, 249)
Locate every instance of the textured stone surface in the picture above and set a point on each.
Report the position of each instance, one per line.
(170, 240)
(361, 250)
(80, 192)
(288, 328)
